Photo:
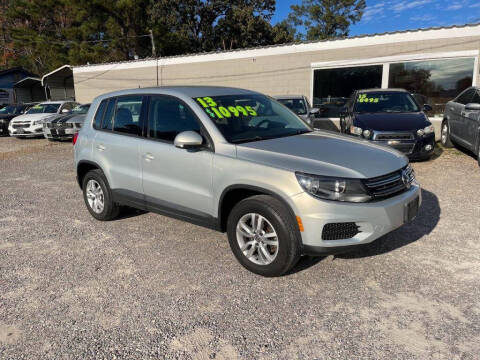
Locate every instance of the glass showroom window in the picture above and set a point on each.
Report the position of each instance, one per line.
(333, 87)
(434, 81)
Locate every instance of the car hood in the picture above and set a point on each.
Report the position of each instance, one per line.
(391, 121)
(31, 117)
(59, 118)
(324, 153)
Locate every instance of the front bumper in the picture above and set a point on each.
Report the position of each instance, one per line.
(27, 131)
(420, 148)
(59, 133)
(374, 219)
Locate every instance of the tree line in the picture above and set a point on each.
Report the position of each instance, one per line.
(41, 35)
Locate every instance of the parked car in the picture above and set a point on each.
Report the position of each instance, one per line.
(461, 124)
(30, 124)
(63, 126)
(255, 170)
(7, 113)
(390, 117)
(299, 105)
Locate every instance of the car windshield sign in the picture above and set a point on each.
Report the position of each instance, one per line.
(80, 109)
(385, 102)
(251, 117)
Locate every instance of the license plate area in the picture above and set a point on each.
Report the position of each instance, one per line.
(411, 210)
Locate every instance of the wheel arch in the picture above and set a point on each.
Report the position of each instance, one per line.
(233, 194)
(83, 167)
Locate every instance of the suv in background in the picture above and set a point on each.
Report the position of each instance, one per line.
(300, 106)
(30, 124)
(390, 117)
(239, 162)
(461, 123)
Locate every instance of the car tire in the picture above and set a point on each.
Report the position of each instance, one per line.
(262, 256)
(98, 196)
(445, 135)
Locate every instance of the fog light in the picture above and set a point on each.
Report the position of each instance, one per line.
(428, 147)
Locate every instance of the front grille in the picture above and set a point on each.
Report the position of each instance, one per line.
(393, 136)
(390, 184)
(340, 231)
(20, 126)
(404, 148)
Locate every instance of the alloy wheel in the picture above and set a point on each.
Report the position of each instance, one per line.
(257, 239)
(95, 196)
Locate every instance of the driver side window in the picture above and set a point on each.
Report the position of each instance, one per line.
(168, 116)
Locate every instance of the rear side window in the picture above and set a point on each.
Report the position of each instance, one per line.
(465, 97)
(168, 116)
(108, 117)
(127, 115)
(99, 115)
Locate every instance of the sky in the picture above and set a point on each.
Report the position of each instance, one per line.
(383, 16)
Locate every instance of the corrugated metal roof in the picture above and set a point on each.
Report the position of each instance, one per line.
(288, 44)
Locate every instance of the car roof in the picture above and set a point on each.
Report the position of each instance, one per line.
(382, 90)
(288, 96)
(190, 91)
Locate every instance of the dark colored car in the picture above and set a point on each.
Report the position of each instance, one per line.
(461, 123)
(7, 113)
(391, 117)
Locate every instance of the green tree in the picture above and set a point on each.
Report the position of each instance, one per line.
(326, 19)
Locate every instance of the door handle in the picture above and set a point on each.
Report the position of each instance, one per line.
(452, 109)
(149, 157)
(100, 147)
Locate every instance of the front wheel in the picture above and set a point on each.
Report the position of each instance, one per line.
(263, 236)
(445, 135)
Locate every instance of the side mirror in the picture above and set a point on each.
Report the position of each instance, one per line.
(427, 108)
(472, 107)
(65, 111)
(188, 140)
(314, 111)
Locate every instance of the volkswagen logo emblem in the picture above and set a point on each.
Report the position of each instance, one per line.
(406, 179)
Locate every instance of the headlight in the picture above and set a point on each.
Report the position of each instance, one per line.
(429, 129)
(356, 130)
(367, 134)
(37, 122)
(329, 188)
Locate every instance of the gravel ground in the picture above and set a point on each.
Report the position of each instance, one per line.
(147, 286)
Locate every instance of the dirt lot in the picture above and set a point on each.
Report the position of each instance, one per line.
(147, 286)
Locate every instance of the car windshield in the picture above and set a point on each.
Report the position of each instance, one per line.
(296, 105)
(44, 109)
(8, 110)
(80, 109)
(385, 102)
(251, 117)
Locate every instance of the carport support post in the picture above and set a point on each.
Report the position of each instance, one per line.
(153, 44)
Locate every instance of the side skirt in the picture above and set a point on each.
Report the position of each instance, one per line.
(141, 202)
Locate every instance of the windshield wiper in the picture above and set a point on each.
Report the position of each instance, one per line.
(258, 138)
(244, 140)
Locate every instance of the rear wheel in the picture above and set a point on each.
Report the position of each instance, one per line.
(263, 236)
(445, 135)
(98, 196)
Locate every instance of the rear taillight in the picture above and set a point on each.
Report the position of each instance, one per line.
(75, 137)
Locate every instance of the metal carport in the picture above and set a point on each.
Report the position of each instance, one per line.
(58, 84)
(29, 89)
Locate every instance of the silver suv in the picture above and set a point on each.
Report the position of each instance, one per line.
(239, 162)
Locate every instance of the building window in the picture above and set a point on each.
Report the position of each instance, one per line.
(333, 87)
(436, 81)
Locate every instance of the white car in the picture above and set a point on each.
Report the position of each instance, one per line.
(30, 124)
